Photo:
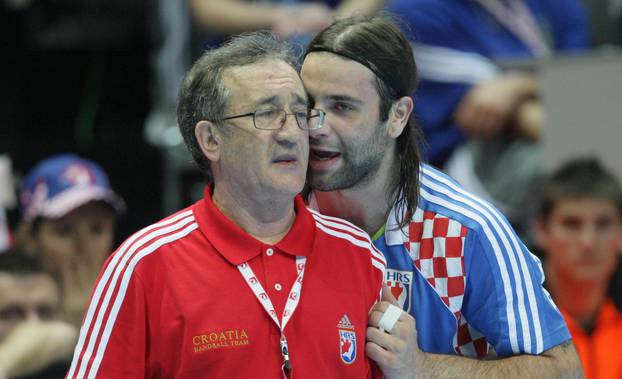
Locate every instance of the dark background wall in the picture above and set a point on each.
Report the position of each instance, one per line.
(74, 78)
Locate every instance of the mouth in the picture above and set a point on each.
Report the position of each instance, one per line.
(323, 155)
(323, 160)
(285, 159)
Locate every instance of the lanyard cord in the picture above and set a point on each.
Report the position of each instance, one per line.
(290, 306)
(517, 18)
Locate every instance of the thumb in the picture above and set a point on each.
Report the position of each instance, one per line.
(387, 295)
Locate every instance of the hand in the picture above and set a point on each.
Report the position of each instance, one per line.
(77, 277)
(487, 108)
(33, 346)
(529, 120)
(396, 351)
(307, 18)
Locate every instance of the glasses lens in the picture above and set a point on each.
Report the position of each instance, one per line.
(314, 119)
(265, 119)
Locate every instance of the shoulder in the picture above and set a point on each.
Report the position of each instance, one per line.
(446, 208)
(155, 238)
(441, 194)
(341, 233)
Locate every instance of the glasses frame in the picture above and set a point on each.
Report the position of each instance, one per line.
(321, 114)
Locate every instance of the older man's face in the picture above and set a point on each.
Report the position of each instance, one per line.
(264, 161)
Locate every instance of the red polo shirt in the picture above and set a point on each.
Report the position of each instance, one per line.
(171, 303)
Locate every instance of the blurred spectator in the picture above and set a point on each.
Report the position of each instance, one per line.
(68, 218)
(476, 60)
(286, 18)
(606, 21)
(7, 200)
(34, 343)
(579, 230)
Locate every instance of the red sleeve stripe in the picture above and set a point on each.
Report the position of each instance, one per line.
(137, 246)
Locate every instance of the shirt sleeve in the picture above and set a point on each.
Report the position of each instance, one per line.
(504, 297)
(571, 27)
(112, 342)
(448, 67)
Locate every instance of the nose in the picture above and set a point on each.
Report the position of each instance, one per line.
(32, 315)
(82, 241)
(587, 238)
(322, 132)
(289, 132)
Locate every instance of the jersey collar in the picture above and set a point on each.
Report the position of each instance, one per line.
(237, 246)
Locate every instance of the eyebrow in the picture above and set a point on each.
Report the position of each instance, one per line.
(274, 100)
(346, 98)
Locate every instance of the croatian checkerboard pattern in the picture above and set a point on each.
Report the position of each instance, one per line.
(436, 245)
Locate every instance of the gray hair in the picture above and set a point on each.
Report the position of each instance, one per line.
(203, 95)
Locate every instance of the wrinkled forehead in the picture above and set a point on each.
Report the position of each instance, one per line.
(269, 79)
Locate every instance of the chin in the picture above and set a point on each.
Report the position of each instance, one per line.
(291, 188)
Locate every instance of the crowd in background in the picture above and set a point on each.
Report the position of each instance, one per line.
(101, 80)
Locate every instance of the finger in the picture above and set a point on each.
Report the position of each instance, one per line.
(379, 355)
(389, 318)
(387, 295)
(376, 314)
(382, 306)
(386, 341)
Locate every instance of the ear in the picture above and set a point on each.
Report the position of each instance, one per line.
(399, 116)
(541, 234)
(209, 139)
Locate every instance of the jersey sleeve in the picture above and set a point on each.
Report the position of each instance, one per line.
(505, 299)
(112, 342)
(570, 28)
(448, 67)
(379, 268)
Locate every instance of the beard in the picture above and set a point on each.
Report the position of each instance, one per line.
(361, 161)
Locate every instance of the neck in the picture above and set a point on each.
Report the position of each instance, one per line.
(581, 300)
(266, 218)
(366, 204)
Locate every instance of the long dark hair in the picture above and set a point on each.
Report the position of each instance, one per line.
(377, 43)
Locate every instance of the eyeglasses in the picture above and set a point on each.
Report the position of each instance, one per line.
(274, 119)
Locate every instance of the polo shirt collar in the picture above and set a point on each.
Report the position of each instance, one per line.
(237, 246)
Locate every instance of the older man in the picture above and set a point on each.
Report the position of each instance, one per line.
(246, 282)
(454, 263)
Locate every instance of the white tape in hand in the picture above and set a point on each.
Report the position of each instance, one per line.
(389, 318)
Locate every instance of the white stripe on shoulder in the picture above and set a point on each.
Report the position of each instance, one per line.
(345, 226)
(514, 250)
(117, 263)
(503, 269)
(442, 64)
(123, 288)
(375, 262)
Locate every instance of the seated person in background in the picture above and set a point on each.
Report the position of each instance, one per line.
(476, 60)
(34, 343)
(579, 230)
(68, 218)
(286, 18)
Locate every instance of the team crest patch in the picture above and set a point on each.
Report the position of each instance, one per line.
(347, 340)
(400, 283)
